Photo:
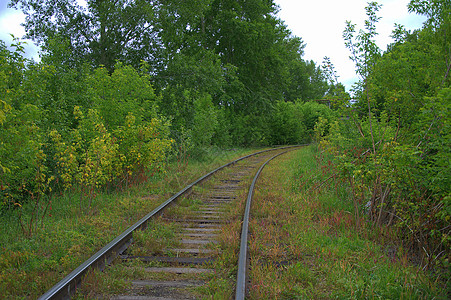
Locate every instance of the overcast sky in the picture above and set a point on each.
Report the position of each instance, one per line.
(10, 20)
(320, 24)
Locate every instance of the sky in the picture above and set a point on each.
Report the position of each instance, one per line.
(320, 24)
(10, 20)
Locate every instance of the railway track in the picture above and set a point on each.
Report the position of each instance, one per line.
(173, 252)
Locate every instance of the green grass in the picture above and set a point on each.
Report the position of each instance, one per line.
(313, 230)
(71, 231)
(160, 235)
(154, 239)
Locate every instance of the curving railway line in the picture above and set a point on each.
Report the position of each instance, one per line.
(197, 217)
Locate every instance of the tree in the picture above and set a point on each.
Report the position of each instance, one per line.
(247, 35)
(436, 32)
(101, 32)
(364, 54)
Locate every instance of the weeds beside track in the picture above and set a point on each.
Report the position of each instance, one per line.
(121, 243)
(306, 244)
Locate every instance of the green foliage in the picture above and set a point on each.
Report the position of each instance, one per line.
(94, 157)
(239, 54)
(87, 129)
(65, 159)
(143, 146)
(124, 91)
(194, 68)
(393, 146)
(21, 139)
(195, 118)
(433, 136)
(222, 136)
(97, 152)
(364, 50)
(12, 64)
(22, 155)
(287, 124)
(205, 121)
(4, 109)
(106, 31)
(55, 92)
(312, 111)
(248, 129)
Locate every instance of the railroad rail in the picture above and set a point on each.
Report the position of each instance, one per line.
(204, 228)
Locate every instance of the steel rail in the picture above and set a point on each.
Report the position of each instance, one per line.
(67, 286)
(242, 260)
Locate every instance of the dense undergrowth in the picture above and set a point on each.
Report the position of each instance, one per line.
(70, 232)
(392, 145)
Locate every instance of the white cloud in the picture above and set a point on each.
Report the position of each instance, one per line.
(10, 23)
(320, 24)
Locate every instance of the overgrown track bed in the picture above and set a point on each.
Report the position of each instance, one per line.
(176, 256)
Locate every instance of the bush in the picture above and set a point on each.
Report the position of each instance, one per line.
(403, 178)
(22, 156)
(143, 146)
(93, 157)
(286, 124)
(85, 129)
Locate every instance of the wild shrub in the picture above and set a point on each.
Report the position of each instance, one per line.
(143, 146)
(114, 137)
(205, 120)
(56, 92)
(22, 156)
(311, 112)
(249, 129)
(205, 123)
(93, 157)
(98, 153)
(296, 122)
(222, 137)
(65, 159)
(393, 145)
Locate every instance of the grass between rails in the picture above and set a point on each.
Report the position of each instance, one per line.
(71, 232)
(160, 234)
(305, 245)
